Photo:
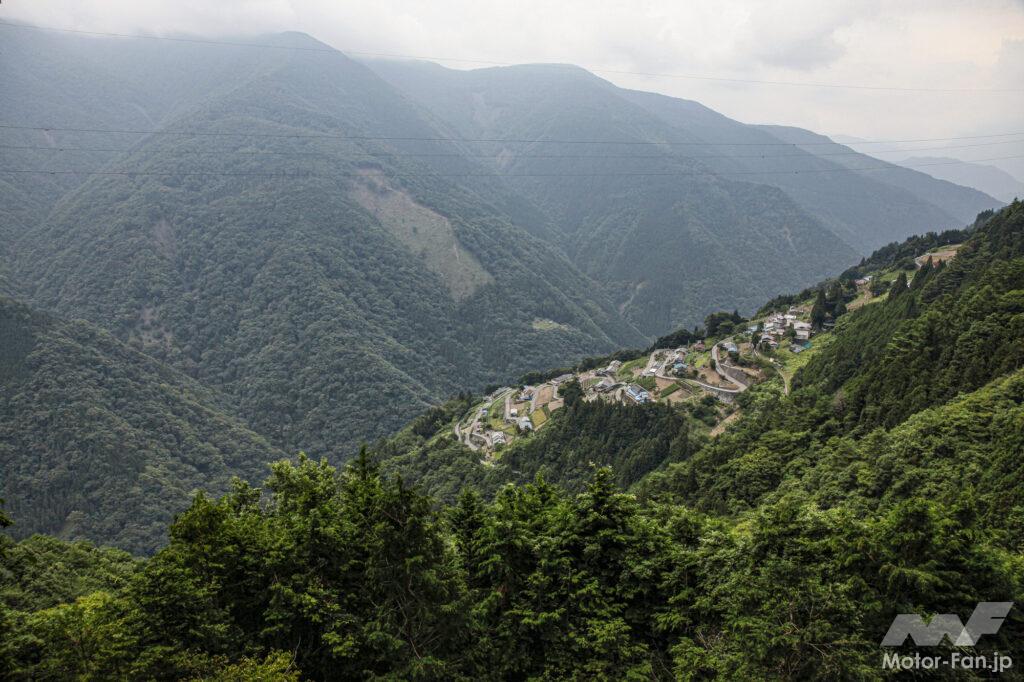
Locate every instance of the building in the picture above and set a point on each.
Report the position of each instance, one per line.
(525, 395)
(497, 438)
(638, 394)
(605, 385)
(803, 334)
(795, 349)
(730, 347)
(525, 424)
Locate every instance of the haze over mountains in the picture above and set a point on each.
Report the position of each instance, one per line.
(315, 366)
(330, 247)
(994, 181)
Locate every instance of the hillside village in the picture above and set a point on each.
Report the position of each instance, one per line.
(712, 371)
(719, 369)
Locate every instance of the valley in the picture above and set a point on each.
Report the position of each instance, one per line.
(319, 365)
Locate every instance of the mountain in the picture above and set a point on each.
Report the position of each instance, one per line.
(333, 290)
(99, 441)
(887, 482)
(884, 399)
(331, 245)
(989, 179)
(957, 330)
(958, 205)
(865, 209)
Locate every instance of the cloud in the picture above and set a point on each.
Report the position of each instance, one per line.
(800, 35)
(925, 43)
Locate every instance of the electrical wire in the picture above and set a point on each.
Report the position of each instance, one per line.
(486, 62)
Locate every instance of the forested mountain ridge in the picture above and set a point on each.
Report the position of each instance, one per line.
(888, 376)
(744, 198)
(987, 178)
(99, 441)
(669, 238)
(782, 549)
(332, 288)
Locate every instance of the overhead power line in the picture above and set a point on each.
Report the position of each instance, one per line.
(179, 173)
(264, 152)
(487, 62)
(493, 140)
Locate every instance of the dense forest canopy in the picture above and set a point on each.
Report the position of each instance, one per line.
(335, 250)
(886, 482)
(100, 441)
(225, 270)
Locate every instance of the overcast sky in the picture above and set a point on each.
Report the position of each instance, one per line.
(959, 44)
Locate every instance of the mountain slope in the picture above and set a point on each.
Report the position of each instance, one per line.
(332, 288)
(885, 385)
(677, 184)
(959, 203)
(806, 509)
(99, 441)
(670, 239)
(983, 177)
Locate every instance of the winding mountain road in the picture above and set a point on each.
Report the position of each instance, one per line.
(726, 394)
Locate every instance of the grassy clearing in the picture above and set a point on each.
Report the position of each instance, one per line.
(791, 362)
(628, 368)
(647, 382)
(496, 414)
(669, 390)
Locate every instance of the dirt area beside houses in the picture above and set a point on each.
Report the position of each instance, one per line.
(662, 384)
(545, 394)
(944, 254)
(710, 376)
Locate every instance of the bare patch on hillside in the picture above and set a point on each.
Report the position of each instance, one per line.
(635, 291)
(163, 237)
(944, 254)
(544, 325)
(426, 233)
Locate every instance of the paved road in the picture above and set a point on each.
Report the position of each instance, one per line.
(726, 394)
(720, 367)
(466, 437)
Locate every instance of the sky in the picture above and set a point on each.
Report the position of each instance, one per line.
(975, 45)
